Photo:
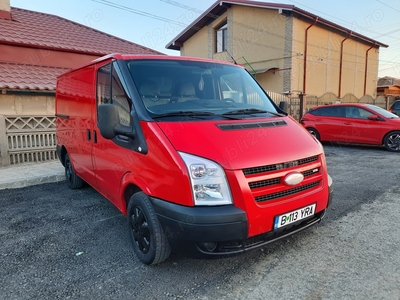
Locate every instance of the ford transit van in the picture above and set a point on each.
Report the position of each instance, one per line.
(193, 151)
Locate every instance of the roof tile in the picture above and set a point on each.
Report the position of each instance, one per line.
(28, 77)
(49, 31)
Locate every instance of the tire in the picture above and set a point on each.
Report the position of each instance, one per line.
(392, 141)
(73, 180)
(148, 239)
(314, 132)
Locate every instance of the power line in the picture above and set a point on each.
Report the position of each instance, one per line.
(139, 12)
(388, 5)
(344, 21)
(177, 4)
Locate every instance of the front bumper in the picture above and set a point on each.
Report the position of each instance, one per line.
(207, 232)
(187, 228)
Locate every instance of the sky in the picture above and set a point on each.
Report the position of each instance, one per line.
(154, 23)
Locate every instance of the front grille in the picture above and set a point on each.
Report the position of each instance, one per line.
(287, 192)
(263, 183)
(280, 166)
(310, 172)
(267, 183)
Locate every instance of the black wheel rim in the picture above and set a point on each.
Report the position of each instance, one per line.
(140, 230)
(393, 142)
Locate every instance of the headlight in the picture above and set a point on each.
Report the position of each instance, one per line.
(208, 181)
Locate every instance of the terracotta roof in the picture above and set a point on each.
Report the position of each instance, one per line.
(221, 6)
(35, 29)
(28, 77)
(388, 81)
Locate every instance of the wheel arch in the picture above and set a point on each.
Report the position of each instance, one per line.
(395, 146)
(316, 130)
(129, 190)
(386, 134)
(131, 185)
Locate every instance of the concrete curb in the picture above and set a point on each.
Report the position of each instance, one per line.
(31, 174)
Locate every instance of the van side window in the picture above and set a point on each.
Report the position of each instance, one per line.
(120, 99)
(110, 90)
(104, 85)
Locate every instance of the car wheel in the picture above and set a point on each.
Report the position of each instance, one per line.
(149, 241)
(314, 132)
(392, 141)
(73, 180)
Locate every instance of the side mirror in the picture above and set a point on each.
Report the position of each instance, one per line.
(373, 118)
(109, 124)
(283, 105)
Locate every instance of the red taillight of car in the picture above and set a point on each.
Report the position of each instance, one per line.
(390, 109)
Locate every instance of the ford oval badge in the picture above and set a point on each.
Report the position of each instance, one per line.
(293, 178)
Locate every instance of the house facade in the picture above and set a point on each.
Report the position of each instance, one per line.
(34, 49)
(287, 49)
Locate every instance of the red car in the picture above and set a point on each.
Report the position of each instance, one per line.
(354, 123)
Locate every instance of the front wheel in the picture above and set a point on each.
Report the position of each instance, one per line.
(392, 141)
(149, 241)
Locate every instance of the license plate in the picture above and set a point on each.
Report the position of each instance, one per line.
(294, 216)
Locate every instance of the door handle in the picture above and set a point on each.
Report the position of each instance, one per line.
(88, 134)
(94, 136)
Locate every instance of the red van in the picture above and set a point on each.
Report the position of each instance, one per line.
(192, 150)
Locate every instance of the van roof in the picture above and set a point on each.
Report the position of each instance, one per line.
(118, 56)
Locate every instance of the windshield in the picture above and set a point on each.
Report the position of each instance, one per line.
(169, 88)
(383, 112)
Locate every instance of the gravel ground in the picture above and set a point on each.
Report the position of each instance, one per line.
(63, 244)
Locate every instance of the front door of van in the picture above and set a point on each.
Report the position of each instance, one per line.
(110, 160)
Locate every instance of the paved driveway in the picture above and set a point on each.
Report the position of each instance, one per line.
(63, 244)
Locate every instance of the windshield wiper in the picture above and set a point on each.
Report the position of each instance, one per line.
(184, 113)
(250, 111)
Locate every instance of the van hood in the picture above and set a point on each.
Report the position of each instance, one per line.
(242, 144)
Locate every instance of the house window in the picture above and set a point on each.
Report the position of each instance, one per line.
(222, 38)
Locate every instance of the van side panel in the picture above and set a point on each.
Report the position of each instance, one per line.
(154, 173)
(75, 102)
(167, 174)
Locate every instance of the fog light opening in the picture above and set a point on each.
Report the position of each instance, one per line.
(208, 246)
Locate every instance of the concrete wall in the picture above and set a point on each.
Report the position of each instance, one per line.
(323, 62)
(5, 5)
(197, 46)
(26, 104)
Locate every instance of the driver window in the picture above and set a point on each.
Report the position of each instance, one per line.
(357, 113)
(110, 90)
